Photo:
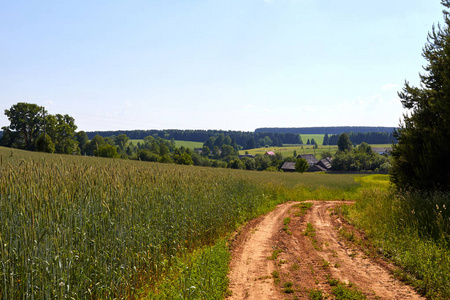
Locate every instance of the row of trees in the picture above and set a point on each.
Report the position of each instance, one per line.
(31, 128)
(245, 140)
(222, 155)
(363, 137)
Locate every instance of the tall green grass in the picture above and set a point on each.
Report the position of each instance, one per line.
(83, 227)
(413, 230)
(202, 275)
(86, 227)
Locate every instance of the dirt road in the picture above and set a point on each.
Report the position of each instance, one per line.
(308, 254)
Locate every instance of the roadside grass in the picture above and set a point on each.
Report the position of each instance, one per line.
(412, 230)
(376, 181)
(199, 275)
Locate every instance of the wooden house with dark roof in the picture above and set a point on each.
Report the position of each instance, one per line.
(325, 163)
(310, 158)
(288, 166)
(316, 168)
(314, 164)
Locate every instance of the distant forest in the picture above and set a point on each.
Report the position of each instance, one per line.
(368, 137)
(250, 140)
(259, 138)
(325, 130)
(247, 140)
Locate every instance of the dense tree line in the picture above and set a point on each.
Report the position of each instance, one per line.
(360, 137)
(245, 140)
(223, 153)
(31, 128)
(361, 158)
(323, 130)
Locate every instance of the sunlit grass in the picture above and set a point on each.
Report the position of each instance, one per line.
(413, 230)
(86, 227)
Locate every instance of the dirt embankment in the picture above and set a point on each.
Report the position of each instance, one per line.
(279, 258)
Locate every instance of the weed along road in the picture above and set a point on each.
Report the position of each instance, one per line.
(302, 250)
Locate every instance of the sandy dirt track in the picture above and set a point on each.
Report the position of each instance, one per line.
(306, 262)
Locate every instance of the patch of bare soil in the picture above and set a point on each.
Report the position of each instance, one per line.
(278, 258)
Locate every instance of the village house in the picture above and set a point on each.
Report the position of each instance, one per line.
(310, 158)
(288, 167)
(314, 164)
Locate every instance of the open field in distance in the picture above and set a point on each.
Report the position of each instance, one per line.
(185, 144)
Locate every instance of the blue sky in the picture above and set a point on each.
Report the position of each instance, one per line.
(224, 64)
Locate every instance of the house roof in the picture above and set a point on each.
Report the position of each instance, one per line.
(288, 166)
(382, 150)
(316, 168)
(271, 153)
(325, 163)
(310, 158)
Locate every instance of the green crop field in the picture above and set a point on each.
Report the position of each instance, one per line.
(185, 144)
(85, 227)
(288, 150)
(188, 144)
(317, 137)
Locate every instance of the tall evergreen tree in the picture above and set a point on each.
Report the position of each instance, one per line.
(326, 139)
(421, 157)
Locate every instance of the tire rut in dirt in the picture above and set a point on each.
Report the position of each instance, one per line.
(305, 262)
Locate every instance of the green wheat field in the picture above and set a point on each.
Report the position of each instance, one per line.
(74, 227)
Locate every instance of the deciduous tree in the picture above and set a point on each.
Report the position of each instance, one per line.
(301, 165)
(344, 143)
(82, 139)
(26, 123)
